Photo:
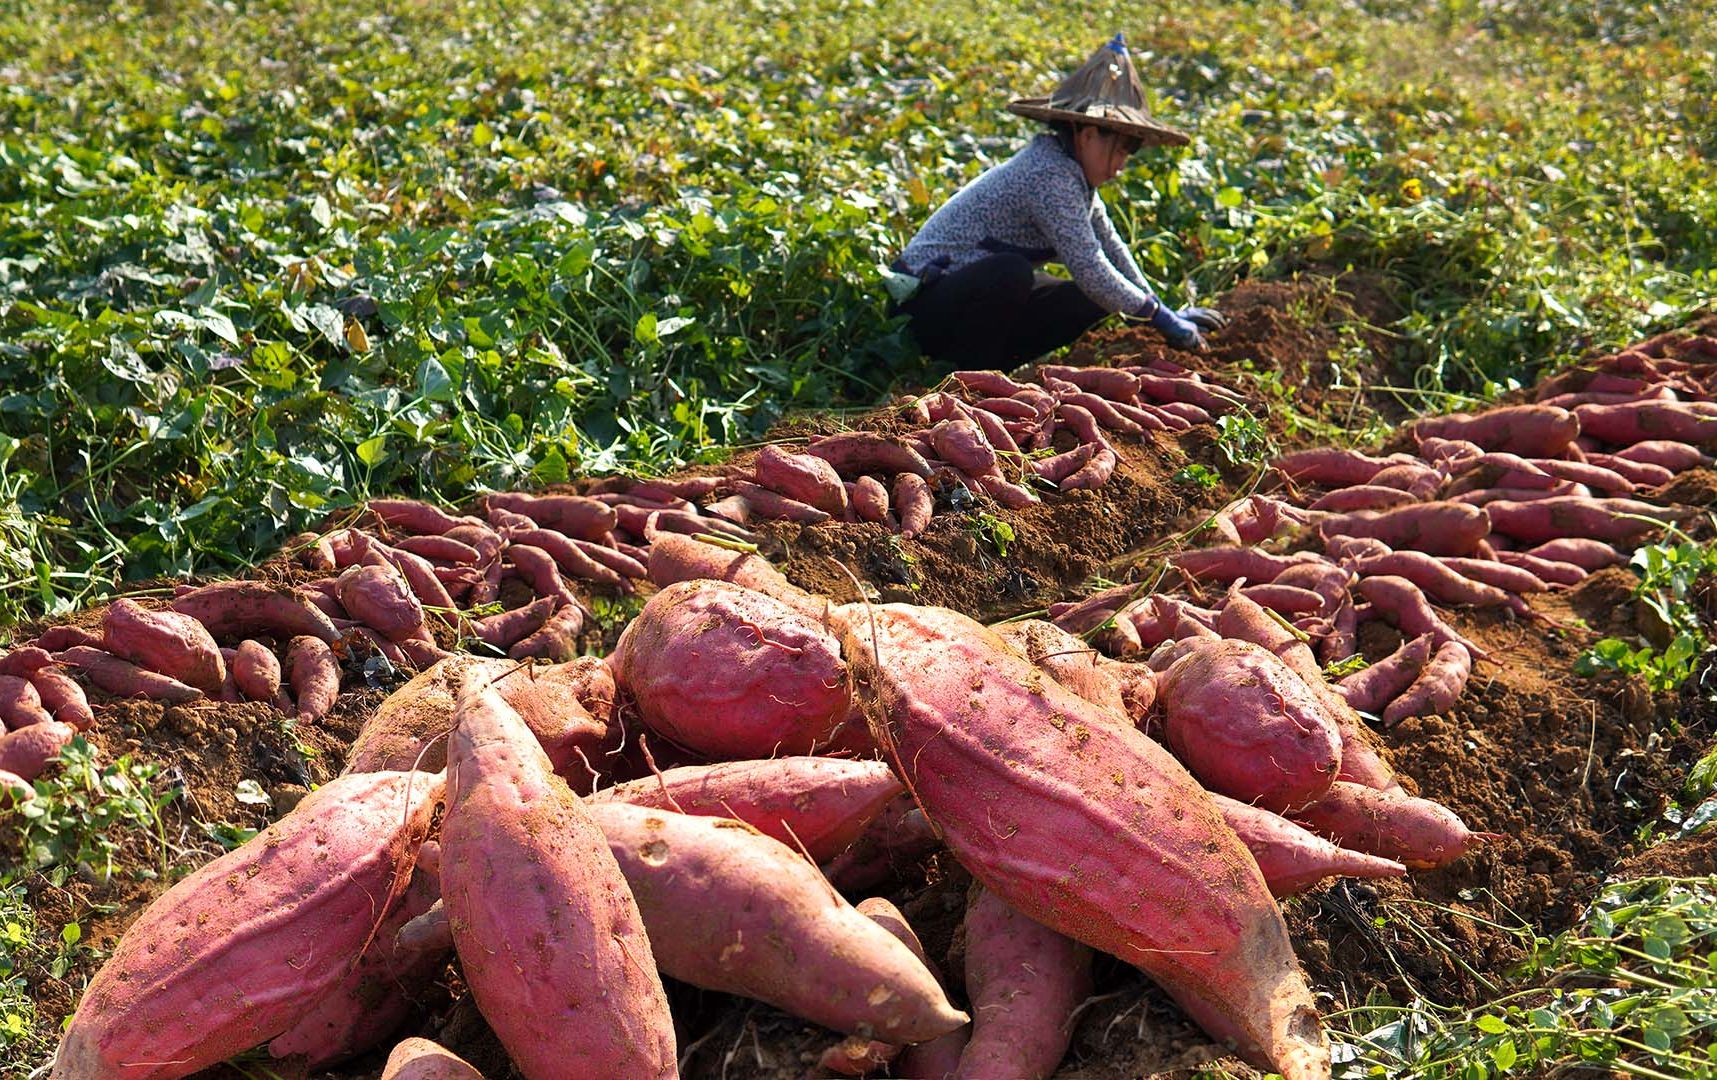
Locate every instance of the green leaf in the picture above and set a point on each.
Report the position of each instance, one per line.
(71, 934)
(1504, 1054)
(1491, 1025)
(1230, 197)
(433, 381)
(482, 134)
(373, 451)
(645, 328)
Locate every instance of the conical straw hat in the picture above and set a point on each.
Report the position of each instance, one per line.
(1105, 93)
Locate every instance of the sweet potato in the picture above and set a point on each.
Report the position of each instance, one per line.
(1437, 528)
(549, 938)
(1615, 520)
(1599, 479)
(1329, 467)
(14, 789)
(987, 382)
(1247, 726)
(571, 555)
(419, 575)
(913, 503)
(502, 629)
(24, 662)
(314, 673)
(1376, 686)
(412, 516)
(63, 697)
(256, 671)
(1546, 570)
(20, 703)
(870, 501)
(1342, 640)
(1665, 454)
(1067, 660)
(556, 639)
(1639, 473)
(165, 641)
(730, 909)
(675, 558)
(1021, 774)
(1363, 497)
(1025, 982)
(1082, 424)
(420, 1059)
(1503, 576)
(59, 638)
(1437, 580)
(1284, 599)
(1060, 466)
(1643, 421)
(855, 452)
(1081, 616)
(856, 1055)
(1291, 859)
(771, 505)
(962, 444)
(1419, 833)
(1111, 383)
(1528, 430)
(897, 837)
(1093, 474)
(1589, 555)
(538, 569)
(1213, 399)
(732, 673)
(574, 515)
(409, 727)
(1227, 563)
(1417, 480)
(26, 751)
(1437, 688)
(438, 549)
(818, 804)
(239, 609)
(1404, 604)
(804, 477)
(379, 597)
(232, 955)
(122, 678)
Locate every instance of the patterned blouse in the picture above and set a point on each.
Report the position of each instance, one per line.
(1039, 205)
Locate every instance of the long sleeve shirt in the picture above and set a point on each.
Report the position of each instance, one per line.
(1036, 204)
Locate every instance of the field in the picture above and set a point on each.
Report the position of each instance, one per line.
(262, 263)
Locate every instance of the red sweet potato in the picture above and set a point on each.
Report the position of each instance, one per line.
(773, 506)
(1546, 570)
(256, 671)
(855, 452)
(870, 501)
(239, 609)
(59, 638)
(1599, 479)
(1674, 456)
(818, 804)
(962, 444)
(732, 910)
(380, 597)
(1503, 576)
(1363, 497)
(913, 503)
(1025, 982)
(246, 944)
(1528, 430)
(1616, 520)
(1093, 474)
(20, 703)
(549, 938)
(556, 639)
(412, 516)
(14, 789)
(438, 549)
(857, 1056)
(574, 515)
(63, 697)
(26, 751)
(1291, 859)
(1082, 424)
(1374, 687)
(538, 569)
(1642, 421)
(1227, 563)
(25, 661)
(1068, 660)
(804, 477)
(1213, 399)
(122, 678)
(1437, 580)
(1021, 776)
(1437, 688)
(314, 674)
(1437, 528)
(1060, 466)
(1105, 412)
(895, 839)
(1639, 473)
(1329, 467)
(420, 1059)
(987, 382)
(1404, 604)
(1417, 480)
(503, 629)
(1419, 833)
(1284, 599)
(675, 558)
(1589, 555)
(166, 641)
(1111, 383)
(731, 673)
(1082, 616)
(1247, 726)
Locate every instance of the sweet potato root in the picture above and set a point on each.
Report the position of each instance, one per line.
(1439, 528)
(62, 697)
(804, 477)
(1067, 660)
(1376, 686)
(256, 671)
(1437, 688)
(1618, 521)
(20, 703)
(913, 504)
(574, 515)
(420, 1059)
(1419, 833)
(1292, 859)
(239, 609)
(1643, 421)
(166, 641)
(1402, 603)
(314, 674)
(675, 558)
(1528, 430)
(855, 452)
(1589, 555)
(26, 751)
(122, 678)
(1024, 981)
(556, 639)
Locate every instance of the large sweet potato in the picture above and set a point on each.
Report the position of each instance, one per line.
(1418, 832)
(27, 751)
(235, 953)
(818, 804)
(1024, 981)
(675, 558)
(574, 515)
(732, 673)
(549, 938)
(1068, 660)
(314, 673)
(379, 596)
(420, 1059)
(1248, 726)
(1084, 825)
(730, 909)
(809, 479)
(238, 609)
(166, 641)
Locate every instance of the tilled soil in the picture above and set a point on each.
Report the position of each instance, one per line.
(1564, 771)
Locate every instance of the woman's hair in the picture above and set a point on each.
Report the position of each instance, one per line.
(1064, 130)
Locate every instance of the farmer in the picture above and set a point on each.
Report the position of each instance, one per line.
(969, 281)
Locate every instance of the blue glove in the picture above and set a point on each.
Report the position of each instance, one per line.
(1181, 333)
(1204, 318)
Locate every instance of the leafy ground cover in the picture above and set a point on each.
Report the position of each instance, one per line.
(257, 263)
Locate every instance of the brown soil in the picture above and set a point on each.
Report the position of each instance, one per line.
(1567, 773)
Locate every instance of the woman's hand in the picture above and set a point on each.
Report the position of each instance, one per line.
(1182, 333)
(1204, 318)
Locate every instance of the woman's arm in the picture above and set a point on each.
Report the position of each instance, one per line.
(1062, 212)
(1114, 248)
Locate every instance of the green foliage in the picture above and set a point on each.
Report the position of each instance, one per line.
(1242, 438)
(1199, 476)
(83, 812)
(1631, 990)
(1669, 576)
(991, 530)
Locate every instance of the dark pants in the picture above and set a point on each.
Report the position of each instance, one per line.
(998, 312)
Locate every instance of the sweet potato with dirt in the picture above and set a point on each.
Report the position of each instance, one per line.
(1618, 521)
(1548, 571)
(443, 549)
(1068, 660)
(898, 837)
(504, 628)
(1639, 473)
(574, 515)
(20, 703)
(420, 1059)
(853, 453)
(1437, 580)
(1025, 982)
(1330, 467)
(771, 505)
(556, 639)
(1376, 686)
(818, 804)
(1665, 454)
(239, 609)
(24, 662)
(1247, 726)
(549, 938)
(1418, 833)
(1112, 383)
(804, 477)
(122, 678)
(675, 558)
(1285, 599)
(869, 500)
(26, 751)
(1527, 430)
(1503, 576)
(858, 1056)
(232, 955)
(1226, 563)
(412, 516)
(1292, 859)
(539, 570)
(313, 672)
(1084, 825)
(1436, 528)
(1363, 497)
(63, 697)
(1649, 421)
(1589, 555)
(913, 504)
(171, 643)
(732, 673)
(256, 671)
(1403, 604)
(379, 597)
(732, 910)
(1438, 686)
(1091, 475)
(14, 789)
